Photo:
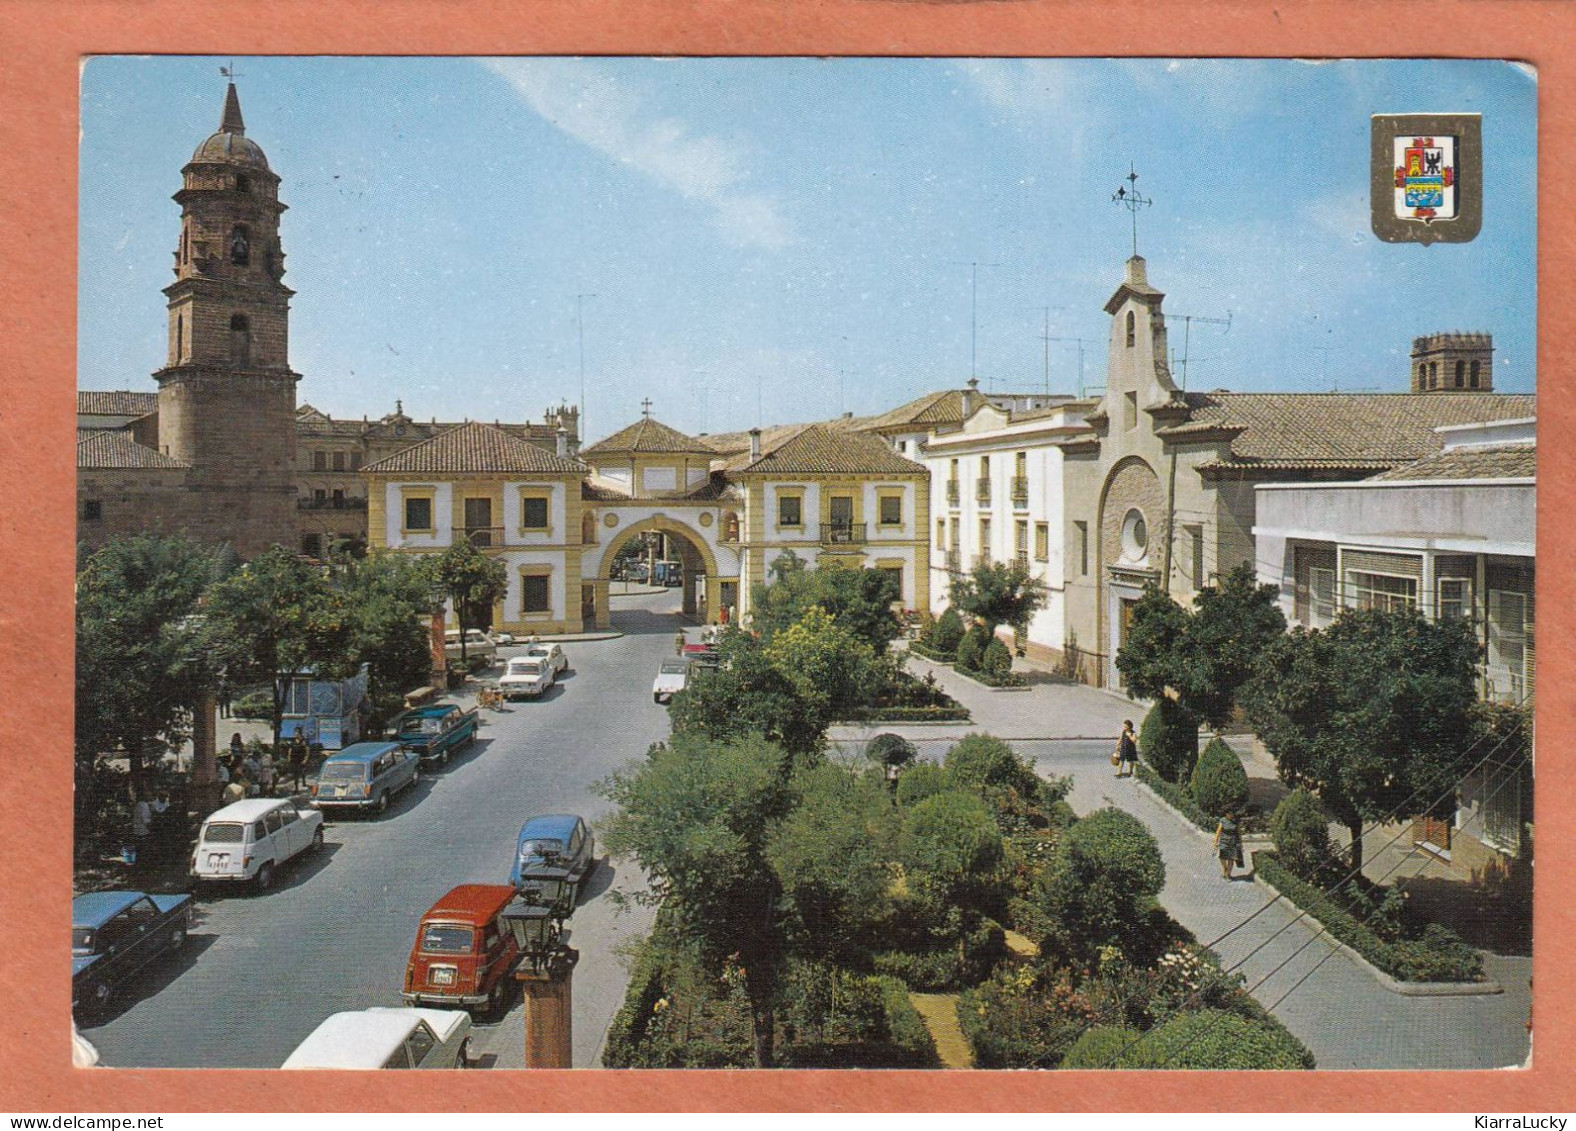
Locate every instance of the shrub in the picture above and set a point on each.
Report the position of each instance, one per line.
(906, 1029)
(1302, 836)
(1012, 1022)
(1176, 797)
(945, 965)
(1211, 1038)
(1168, 740)
(980, 760)
(1100, 1047)
(890, 750)
(971, 649)
(950, 845)
(997, 658)
(1102, 881)
(919, 782)
(953, 712)
(254, 705)
(1220, 784)
(948, 632)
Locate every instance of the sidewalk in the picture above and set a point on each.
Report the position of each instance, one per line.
(1333, 1006)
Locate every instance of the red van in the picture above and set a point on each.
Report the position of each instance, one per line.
(464, 953)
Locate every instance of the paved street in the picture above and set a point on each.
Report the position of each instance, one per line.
(1339, 1011)
(261, 971)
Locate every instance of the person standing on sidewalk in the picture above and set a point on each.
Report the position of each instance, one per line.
(1126, 750)
(679, 640)
(1228, 844)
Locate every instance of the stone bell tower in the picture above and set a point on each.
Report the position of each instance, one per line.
(227, 393)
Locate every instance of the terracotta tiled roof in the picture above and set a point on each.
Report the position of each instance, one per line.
(476, 447)
(945, 407)
(111, 449)
(817, 449)
(115, 402)
(736, 443)
(649, 436)
(1500, 461)
(1338, 430)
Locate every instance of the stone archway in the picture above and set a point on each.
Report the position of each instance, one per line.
(1127, 550)
(694, 555)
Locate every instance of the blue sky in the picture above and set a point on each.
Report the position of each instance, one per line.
(781, 240)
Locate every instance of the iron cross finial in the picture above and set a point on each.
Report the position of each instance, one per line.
(1130, 199)
(645, 406)
(230, 72)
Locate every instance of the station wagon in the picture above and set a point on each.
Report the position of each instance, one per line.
(250, 839)
(365, 775)
(387, 1037)
(463, 953)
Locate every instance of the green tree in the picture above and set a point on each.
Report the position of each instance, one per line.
(277, 615)
(1302, 836)
(473, 581)
(698, 815)
(827, 664)
(1376, 714)
(748, 694)
(1219, 783)
(950, 848)
(1102, 882)
(388, 596)
(140, 666)
(860, 600)
(1000, 593)
(1230, 626)
(1152, 658)
(1168, 740)
(948, 632)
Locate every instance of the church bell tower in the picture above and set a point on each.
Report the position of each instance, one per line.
(227, 393)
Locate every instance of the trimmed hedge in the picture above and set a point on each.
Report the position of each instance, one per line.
(931, 653)
(971, 649)
(1176, 797)
(919, 782)
(1102, 1046)
(956, 712)
(1220, 784)
(1302, 836)
(996, 660)
(942, 969)
(905, 1027)
(948, 631)
(1213, 1038)
(1439, 956)
(1010, 679)
(1168, 740)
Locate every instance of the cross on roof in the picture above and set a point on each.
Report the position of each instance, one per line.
(1130, 199)
(645, 408)
(230, 72)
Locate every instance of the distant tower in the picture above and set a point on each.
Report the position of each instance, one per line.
(227, 393)
(1453, 363)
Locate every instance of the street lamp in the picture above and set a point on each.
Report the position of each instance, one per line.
(536, 920)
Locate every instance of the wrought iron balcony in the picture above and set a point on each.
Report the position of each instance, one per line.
(1021, 560)
(843, 534)
(954, 562)
(982, 559)
(952, 492)
(1020, 490)
(482, 537)
(982, 489)
(344, 503)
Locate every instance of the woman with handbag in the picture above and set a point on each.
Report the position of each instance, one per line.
(1228, 844)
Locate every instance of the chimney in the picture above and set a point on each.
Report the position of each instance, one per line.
(563, 441)
(968, 397)
(755, 443)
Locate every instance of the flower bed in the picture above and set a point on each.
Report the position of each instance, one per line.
(935, 655)
(935, 714)
(986, 679)
(1437, 955)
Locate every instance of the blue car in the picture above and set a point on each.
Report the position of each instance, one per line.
(365, 776)
(114, 934)
(553, 841)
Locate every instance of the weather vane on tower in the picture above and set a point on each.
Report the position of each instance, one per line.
(1129, 198)
(230, 72)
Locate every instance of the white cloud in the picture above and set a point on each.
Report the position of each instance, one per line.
(593, 106)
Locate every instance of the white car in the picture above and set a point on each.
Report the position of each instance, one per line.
(249, 840)
(476, 644)
(387, 1037)
(553, 654)
(501, 639)
(672, 677)
(525, 678)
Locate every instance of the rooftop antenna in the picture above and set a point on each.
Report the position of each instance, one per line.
(1080, 342)
(1045, 337)
(974, 294)
(1129, 198)
(1187, 326)
(580, 333)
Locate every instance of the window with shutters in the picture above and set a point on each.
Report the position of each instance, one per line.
(535, 595)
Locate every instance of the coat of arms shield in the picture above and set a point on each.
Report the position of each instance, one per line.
(1425, 178)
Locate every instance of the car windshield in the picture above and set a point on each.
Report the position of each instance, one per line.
(421, 726)
(539, 650)
(524, 667)
(541, 846)
(343, 771)
(442, 938)
(674, 667)
(222, 833)
(81, 940)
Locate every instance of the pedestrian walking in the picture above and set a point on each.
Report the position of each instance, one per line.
(265, 769)
(1126, 755)
(253, 772)
(1228, 844)
(678, 643)
(141, 825)
(298, 755)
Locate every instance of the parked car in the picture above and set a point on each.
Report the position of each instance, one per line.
(114, 934)
(464, 954)
(672, 677)
(248, 840)
(525, 678)
(556, 840)
(501, 639)
(436, 731)
(365, 776)
(703, 655)
(387, 1037)
(552, 653)
(476, 644)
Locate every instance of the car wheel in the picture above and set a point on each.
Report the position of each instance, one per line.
(99, 997)
(265, 877)
(177, 938)
(465, 1054)
(317, 841)
(382, 803)
(443, 758)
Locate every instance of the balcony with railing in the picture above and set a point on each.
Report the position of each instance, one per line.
(952, 492)
(1020, 490)
(982, 489)
(344, 503)
(482, 537)
(842, 534)
(982, 559)
(954, 562)
(1021, 560)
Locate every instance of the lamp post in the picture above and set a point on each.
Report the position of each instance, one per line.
(438, 678)
(547, 963)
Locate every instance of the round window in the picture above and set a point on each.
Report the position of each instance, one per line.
(1135, 536)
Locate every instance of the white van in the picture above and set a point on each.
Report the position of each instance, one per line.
(249, 840)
